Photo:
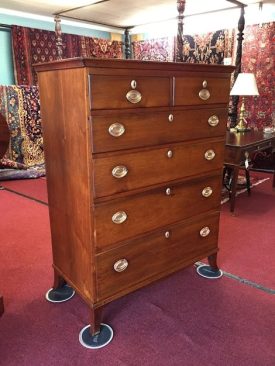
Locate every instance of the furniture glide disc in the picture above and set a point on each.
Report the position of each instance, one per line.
(97, 341)
(61, 294)
(208, 272)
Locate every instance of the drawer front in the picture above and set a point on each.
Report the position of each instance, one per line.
(200, 90)
(115, 92)
(125, 131)
(155, 255)
(121, 219)
(123, 172)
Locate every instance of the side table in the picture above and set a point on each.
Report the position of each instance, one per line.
(239, 148)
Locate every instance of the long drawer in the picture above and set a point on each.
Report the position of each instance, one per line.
(135, 169)
(194, 90)
(155, 255)
(118, 131)
(122, 219)
(116, 92)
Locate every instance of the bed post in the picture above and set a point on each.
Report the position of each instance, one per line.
(235, 98)
(127, 43)
(179, 43)
(58, 33)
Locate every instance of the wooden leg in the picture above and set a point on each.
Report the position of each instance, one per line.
(273, 183)
(96, 334)
(247, 176)
(212, 260)
(60, 291)
(233, 188)
(59, 281)
(96, 318)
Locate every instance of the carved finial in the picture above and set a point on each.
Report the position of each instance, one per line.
(58, 33)
(127, 43)
(179, 50)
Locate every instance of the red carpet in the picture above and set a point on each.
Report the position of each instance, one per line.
(33, 188)
(247, 238)
(182, 320)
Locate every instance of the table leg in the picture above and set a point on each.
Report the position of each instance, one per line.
(233, 187)
(247, 176)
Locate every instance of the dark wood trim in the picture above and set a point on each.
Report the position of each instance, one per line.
(101, 64)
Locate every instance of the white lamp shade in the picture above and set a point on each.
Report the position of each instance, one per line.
(245, 84)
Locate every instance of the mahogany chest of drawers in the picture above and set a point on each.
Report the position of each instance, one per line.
(134, 156)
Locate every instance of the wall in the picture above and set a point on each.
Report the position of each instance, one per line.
(6, 65)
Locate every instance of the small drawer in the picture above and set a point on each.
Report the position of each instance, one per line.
(149, 167)
(119, 131)
(121, 219)
(116, 92)
(155, 255)
(201, 90)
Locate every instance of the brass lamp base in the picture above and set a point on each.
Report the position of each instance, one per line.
(242, 128)
(242, 125)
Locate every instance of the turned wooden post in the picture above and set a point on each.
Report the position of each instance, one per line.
(127, 42)
(235, 98)
(58, 33)
(179, 45)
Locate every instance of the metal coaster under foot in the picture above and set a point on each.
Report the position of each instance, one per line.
(208, 272)
(61, 294)
(97, 341)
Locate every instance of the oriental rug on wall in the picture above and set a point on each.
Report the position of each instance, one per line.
(32, 46)
(21, 108)
(258, 58)
(161, 49)
(206, 48)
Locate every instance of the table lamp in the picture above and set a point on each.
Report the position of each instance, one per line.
(245, 85)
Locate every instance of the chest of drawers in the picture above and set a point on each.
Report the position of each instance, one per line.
(134, 155)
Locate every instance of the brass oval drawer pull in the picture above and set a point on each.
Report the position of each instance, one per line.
(213, 120)
(116, 129)
(119, 171)
(133, 96)
(167, 234)
(204, 94)
(168, 192)
(209, 154)
(207, 191)
(119, 217)
(205, 231)
(170, 118)
(121, 265)
(169, 153)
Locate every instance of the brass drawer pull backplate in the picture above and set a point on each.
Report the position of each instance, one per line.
(213, 120)
(121, 265)
(205, 231)
(209, 154)
(119, 217)
(133, 96)
(119, 171)
(207, 191)
(116, 129)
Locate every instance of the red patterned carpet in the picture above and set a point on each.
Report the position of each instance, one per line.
(182, 320)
